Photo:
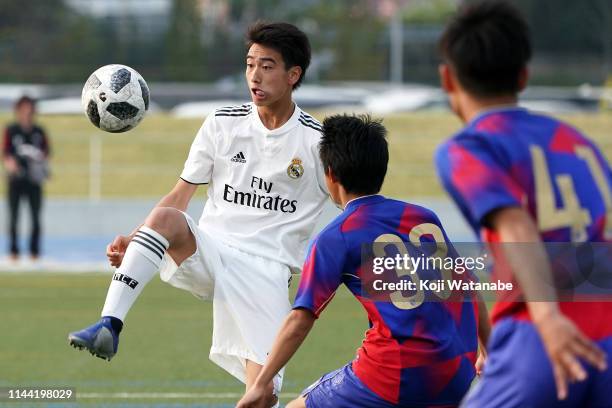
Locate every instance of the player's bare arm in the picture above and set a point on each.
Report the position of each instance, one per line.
(289, 339)
(563, 341)
(10, 165)
(178, 198)
(484, 331)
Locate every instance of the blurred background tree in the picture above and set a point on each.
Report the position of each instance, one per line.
(184, 53)
(45, 41)
(55, 41)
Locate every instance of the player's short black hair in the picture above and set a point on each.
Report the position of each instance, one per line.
(487, 45)
(24, 100)
(354, 148)
(285, 38)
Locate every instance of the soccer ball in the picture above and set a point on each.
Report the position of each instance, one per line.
(115, 98)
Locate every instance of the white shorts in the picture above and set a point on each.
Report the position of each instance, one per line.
(250, 297)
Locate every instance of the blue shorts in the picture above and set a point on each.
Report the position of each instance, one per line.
(343, 389)
(518, 374)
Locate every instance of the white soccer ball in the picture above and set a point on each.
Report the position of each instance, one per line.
(115, 98)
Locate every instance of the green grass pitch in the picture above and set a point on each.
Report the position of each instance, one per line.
(163, 349)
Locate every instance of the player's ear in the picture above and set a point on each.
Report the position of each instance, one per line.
(447, 81)
(331, 175)
(523, 78)
(295, 74)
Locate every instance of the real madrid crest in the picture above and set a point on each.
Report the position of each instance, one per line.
(295, 169)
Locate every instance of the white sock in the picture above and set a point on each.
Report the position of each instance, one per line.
(140, 264)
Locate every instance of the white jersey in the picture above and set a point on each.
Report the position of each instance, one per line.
(267, 187)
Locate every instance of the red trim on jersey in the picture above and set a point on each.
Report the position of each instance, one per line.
(354, 221)
(410, 218)
(381, 359)
(494, 123)
(593, 318)
(470, 172)
(440, 374)
(565, 139)
(591, 315)
(455, 309)
(6, 146)
(379, 371)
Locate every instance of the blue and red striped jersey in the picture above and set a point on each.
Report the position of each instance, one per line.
(409, 355)
(512, 157)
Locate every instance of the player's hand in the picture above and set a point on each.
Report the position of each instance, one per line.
(116, 250)
(11, 166)
(482, 357)
(565, 345)
(256, 397)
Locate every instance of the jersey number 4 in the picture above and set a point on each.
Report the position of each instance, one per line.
(570, 214)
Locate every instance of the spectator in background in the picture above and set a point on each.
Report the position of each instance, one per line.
(25, 155)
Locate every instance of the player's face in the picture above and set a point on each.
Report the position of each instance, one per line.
(267, 77)
(25, 114)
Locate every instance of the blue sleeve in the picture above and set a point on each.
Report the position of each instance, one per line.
(475, 179)
(322, 272)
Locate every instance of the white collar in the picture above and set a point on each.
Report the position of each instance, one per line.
(288, 125)
(359, 198)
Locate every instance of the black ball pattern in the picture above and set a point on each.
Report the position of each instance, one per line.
(123, 129)
(145, 93)
(119, 79)
(122, 110)
(92, 113)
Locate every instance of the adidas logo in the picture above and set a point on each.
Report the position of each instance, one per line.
(239, 158)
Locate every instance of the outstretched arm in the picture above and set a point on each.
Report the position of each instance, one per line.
(291, 335)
